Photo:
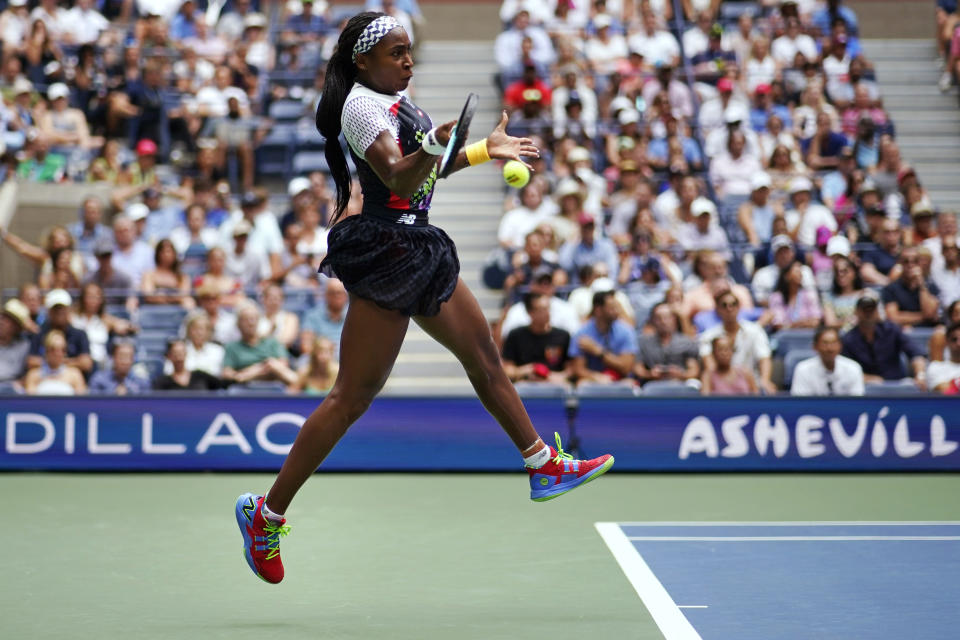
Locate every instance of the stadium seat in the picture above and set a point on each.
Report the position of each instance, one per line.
(153, 343)
(309, 139)
(540, 390)
(895, 388)
(161, 316)
(287, 110)
(276, 150)
(669, 388)
(920, 337)
(308, 161)
(257, 388)
(786, 340)
(603, 390)
(150, 369)
(790, 361)
(8, 389)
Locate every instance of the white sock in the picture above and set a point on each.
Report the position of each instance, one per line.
(538, 459)
(270, 515)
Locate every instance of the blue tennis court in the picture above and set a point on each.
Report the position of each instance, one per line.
(794, 581)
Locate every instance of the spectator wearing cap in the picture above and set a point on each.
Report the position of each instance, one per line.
(89, 229)
(242, 264)
(911, 299)
(751, 348)
(732, 171)
(253, 358)
(131, 256)
(606, 49)
(54, 374)
(142, 172)
(871, 214)
(265, 237)
(839, 303)
(785, 48)
(14, 343)
(119, 379)
(579, 162)
(756, 215)
(880, 263)
(704, 231)
(944, 375)
(261, 54)
(648, 287)
(715, 61)
(828, 373)
(666, 354)
(877, 345)
(604, 350)
(589, 249)
(137, 213)
(763, 108)
(58, 304)
(104, 274)
(947, 274)
(924, 224)
(736, 118)
(532, 119)
(537, 352)
(300, 191)
(654, 43)
(711, 115)
(806, 216)
(63, 127)
(765, 278)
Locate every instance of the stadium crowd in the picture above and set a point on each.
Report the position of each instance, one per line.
(720, 206)
(722, 196)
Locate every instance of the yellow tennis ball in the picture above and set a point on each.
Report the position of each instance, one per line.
(516, 174)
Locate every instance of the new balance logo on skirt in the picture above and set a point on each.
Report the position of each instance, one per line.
(407, 218)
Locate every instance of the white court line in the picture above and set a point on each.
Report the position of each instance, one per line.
(781, 538)
(671, 621)
(808, 523)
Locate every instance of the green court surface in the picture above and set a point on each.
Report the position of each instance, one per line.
(378, 556)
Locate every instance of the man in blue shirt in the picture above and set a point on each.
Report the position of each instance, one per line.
(590, 249)
(326, 321)
(119, 379)
(878, 344)
(88, 230)
(605, 349)
(58, 304)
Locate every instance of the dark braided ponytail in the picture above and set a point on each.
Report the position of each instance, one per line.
(341, 74)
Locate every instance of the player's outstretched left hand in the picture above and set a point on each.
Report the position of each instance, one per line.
(504, 147)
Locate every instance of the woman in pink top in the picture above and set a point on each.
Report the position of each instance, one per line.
(791, 306)
(726, 379)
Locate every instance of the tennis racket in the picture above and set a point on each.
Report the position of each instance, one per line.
(458, 137)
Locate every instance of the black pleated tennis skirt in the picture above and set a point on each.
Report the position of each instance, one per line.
(405, 268)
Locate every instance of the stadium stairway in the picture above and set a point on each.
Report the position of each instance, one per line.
(467, 205)
(927, 121)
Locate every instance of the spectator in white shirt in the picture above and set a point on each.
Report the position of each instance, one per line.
(765, 278)
(703, 232)
(678, 93)
(606, 50)
(573, 85)
(53, 16)
(211, 101)
(942, 374)
(655, 44)
(14, 25)
(507, 49)
(807, 216)
(751, 348)
(785, 48)
(132, 256)
(947, 275)
(696, 39)
(563, 315)
(828, 373)
(732, 171)
(519, 221)
(83, 24)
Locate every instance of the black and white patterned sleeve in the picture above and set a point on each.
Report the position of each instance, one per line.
(363, 119)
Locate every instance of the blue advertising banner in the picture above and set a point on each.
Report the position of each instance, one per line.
(424, 434)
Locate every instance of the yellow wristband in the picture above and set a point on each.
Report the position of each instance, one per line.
(477, 153)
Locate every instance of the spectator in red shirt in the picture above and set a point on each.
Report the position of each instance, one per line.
(520, 92)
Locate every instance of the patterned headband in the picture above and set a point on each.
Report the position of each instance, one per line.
(373, 33)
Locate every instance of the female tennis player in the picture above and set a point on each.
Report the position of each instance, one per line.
(396, 266)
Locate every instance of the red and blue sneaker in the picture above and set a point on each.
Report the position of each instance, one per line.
(562, 473)
(261, 538)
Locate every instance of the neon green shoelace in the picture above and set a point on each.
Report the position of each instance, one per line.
(561, 454)
(274, 533)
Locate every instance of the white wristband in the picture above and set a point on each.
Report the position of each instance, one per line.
(430, 144)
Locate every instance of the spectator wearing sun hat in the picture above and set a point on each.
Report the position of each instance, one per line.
(14, 345)
(806, 216)
(58, 302)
